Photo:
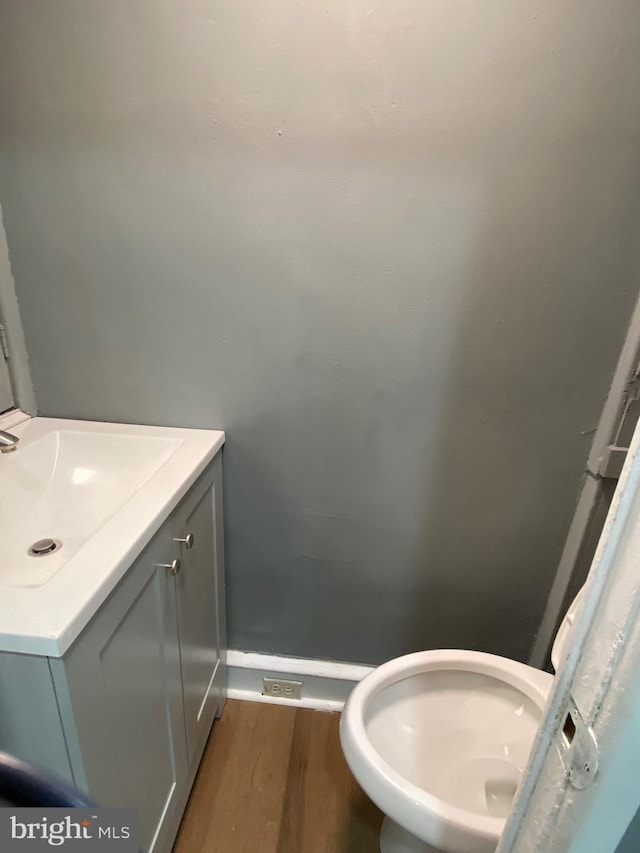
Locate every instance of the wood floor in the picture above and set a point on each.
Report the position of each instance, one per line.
(273, 780)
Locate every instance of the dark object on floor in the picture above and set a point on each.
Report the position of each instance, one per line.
(23, 785)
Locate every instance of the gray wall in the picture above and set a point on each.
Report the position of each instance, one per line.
(391, 248)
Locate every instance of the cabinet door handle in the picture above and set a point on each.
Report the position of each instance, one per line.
(188, 540)
(173, 566)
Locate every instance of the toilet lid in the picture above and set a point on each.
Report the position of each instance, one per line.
(562, 642)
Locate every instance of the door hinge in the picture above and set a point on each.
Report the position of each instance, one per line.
(615, 454)
(578, 748)
(4, 346)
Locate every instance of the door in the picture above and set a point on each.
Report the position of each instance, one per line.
(6, 392)
(120, 691)
(607, 453)
(197, 590)
(581, 789)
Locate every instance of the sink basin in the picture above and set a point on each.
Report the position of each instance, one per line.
(65, 485)
(100, 490)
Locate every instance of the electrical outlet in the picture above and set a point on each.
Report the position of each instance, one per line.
(282, 688)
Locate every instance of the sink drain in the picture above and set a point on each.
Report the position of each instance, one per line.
(43, 547)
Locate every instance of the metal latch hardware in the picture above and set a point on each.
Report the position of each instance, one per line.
(578, 748)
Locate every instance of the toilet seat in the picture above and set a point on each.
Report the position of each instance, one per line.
(435, 787)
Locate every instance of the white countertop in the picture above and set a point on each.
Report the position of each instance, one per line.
(45, 619)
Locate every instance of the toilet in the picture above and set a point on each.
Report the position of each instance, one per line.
(440, 739)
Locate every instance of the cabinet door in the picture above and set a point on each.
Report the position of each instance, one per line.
(200, 597)
(121, 696)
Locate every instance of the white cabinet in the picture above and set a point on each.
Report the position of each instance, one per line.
(135, 696)
(120, 692)
(199, 584)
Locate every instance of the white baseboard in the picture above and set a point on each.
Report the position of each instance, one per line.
(325, 684)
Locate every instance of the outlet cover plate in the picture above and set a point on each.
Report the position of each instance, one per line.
(281, 688)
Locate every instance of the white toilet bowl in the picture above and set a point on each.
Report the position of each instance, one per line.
(440, 739)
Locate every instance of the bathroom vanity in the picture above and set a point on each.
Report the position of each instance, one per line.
(113, 667)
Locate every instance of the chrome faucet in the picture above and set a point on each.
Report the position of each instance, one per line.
(8, 441)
